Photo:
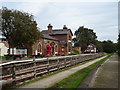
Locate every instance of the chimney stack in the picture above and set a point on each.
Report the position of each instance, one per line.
(65, 27)
(49, 28)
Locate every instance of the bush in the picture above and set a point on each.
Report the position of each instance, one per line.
(24, 55)
(3, 57)
(75, 52)
(9, 57)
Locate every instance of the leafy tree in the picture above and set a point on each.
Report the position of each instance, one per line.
(108, 46)
(99, 46)
(83, 37)
(118, 44)
(19, 28)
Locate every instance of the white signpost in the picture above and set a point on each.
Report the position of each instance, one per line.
(15, 51)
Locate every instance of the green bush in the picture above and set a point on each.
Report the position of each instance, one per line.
(74, 52)
(9, 57)
(24, 55)
(3, 57)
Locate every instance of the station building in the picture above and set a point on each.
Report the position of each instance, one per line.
(60, 41)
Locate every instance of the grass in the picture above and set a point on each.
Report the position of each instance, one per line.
(3, 57)
(74, 80)
(74, 52)
(47, 75)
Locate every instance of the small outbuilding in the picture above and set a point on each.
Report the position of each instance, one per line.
(3, 48)
(91, 48)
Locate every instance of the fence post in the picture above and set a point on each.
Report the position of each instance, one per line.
(71, 61)
(79, 59)
(13, 74)
(65, 62)
(48, 66)
(58, 64)
(34, 63)
(75, 60)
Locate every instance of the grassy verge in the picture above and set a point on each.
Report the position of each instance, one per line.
(2, 57)
(74, 80)
(47, 75)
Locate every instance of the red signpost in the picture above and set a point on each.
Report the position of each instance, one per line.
(49, 50)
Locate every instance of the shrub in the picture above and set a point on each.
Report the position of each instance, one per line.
(24, 55)
(74, 52)
(3, 57)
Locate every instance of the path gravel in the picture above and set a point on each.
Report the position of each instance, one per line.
(107, 74)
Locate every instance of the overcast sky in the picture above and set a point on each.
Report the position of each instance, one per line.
(102, 17)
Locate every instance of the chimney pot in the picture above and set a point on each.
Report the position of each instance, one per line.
(49, 28)
(65, 27)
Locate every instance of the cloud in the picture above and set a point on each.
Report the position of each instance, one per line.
(59, 0)
(100, 16)
(32, 8)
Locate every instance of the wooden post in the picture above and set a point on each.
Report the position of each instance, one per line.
(71, 62)
(58, 64)
(65, 63)
(78, 58)
(48, 65)
(13, 74)
(75, 60)
(34, 62)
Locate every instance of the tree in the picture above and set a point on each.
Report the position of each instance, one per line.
(83, 37)
(19, 28)
(99, 46)
(108, 46)
(118, 44)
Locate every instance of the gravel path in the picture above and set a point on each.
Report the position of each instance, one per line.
(107, 74)
(51, 80)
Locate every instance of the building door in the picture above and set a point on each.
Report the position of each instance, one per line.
(39, 49)
(53, 47)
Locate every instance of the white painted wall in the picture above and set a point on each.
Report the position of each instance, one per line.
(3, 49)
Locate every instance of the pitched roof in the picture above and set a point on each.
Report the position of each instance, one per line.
(47, 36)
(57, 31)
(91, 45)
(5, 43)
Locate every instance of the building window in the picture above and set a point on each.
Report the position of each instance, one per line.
(62, 50)
(53, 47)
(69, 37)
(62, 46)
(45, 41)
(56, 48)
(69, 47)
(39, 49)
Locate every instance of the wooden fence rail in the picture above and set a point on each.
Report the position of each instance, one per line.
(16, 72)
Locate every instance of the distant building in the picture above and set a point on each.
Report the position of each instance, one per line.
(3, 48)
(91, 48)
(60, 41)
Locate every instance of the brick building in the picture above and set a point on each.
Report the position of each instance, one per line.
(60, 41)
